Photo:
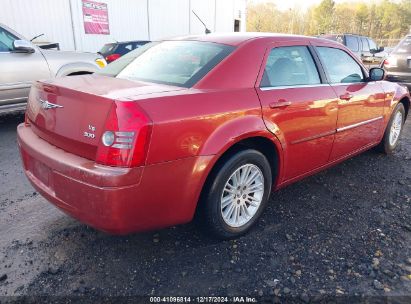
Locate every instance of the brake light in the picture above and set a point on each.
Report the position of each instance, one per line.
(124, 142)
(112, 57)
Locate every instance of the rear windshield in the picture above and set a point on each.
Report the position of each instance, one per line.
(107, 48)
(179, 63)
(338, 38)
(404, 46)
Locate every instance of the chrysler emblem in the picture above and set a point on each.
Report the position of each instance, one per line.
(48, 105)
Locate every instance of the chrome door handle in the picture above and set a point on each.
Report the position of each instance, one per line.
(346, 96)
(280, 104)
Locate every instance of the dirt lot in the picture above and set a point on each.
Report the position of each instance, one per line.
(345, 232)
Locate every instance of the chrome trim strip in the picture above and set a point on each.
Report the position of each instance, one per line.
(294, 87)
(337, 84)
(359, 124)
(298, 141)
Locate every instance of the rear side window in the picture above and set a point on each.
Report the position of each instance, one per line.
(290, 66)
(352, 43)
(340, 67)
(365, 46)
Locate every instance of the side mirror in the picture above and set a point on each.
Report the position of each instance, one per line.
(376, 74)
(377, 50)
(23, 46)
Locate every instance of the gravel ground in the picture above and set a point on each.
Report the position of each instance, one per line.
(342, 234)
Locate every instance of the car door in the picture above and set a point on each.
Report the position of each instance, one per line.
(360, 105)
(366, 55)
(300, 106)
(18, 69)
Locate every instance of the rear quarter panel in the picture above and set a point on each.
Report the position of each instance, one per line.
(202, 122)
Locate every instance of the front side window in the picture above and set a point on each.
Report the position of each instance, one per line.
(352, 43)
(179, 63)
(340, 67)
(373, 45)
(290, 66)
(365, 46)
(6, 41)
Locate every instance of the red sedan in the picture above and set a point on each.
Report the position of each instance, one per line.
(203, 126)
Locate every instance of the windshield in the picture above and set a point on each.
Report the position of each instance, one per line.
(179, 63)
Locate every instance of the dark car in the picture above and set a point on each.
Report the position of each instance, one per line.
(113, 51)
(363, 47)
(398, 64)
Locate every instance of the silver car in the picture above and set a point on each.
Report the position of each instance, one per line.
(21, 63)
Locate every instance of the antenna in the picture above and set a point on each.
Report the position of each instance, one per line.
(207, 31)
(36, 37)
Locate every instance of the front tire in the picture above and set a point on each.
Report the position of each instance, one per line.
(236, 195)
(393, 131)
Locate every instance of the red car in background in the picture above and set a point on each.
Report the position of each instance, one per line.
(204, 126)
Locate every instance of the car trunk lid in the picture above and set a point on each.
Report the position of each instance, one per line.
(71, 112)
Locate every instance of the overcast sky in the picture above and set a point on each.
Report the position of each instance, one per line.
(303, 4)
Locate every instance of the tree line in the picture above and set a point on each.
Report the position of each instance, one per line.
(385, 20)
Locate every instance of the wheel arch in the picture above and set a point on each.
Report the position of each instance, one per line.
(79, 73)
(406, 102)
(77, 68)
(269, 146)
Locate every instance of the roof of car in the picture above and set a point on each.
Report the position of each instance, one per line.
(236, 39)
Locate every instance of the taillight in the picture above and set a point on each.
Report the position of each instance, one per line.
(124, 142)
(112, 57)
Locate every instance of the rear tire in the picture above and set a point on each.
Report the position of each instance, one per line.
(393, 131)
(236, 194)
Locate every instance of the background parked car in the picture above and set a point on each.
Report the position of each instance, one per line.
(113, 51)
(22, 62)
(364, 47)
(398, 64)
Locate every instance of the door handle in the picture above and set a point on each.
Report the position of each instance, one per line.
(280, 104)
(346, 96)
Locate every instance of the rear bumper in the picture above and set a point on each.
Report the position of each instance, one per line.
(115, 200)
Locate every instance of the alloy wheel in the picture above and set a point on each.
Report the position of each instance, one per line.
(396, 128)
(242, 195)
